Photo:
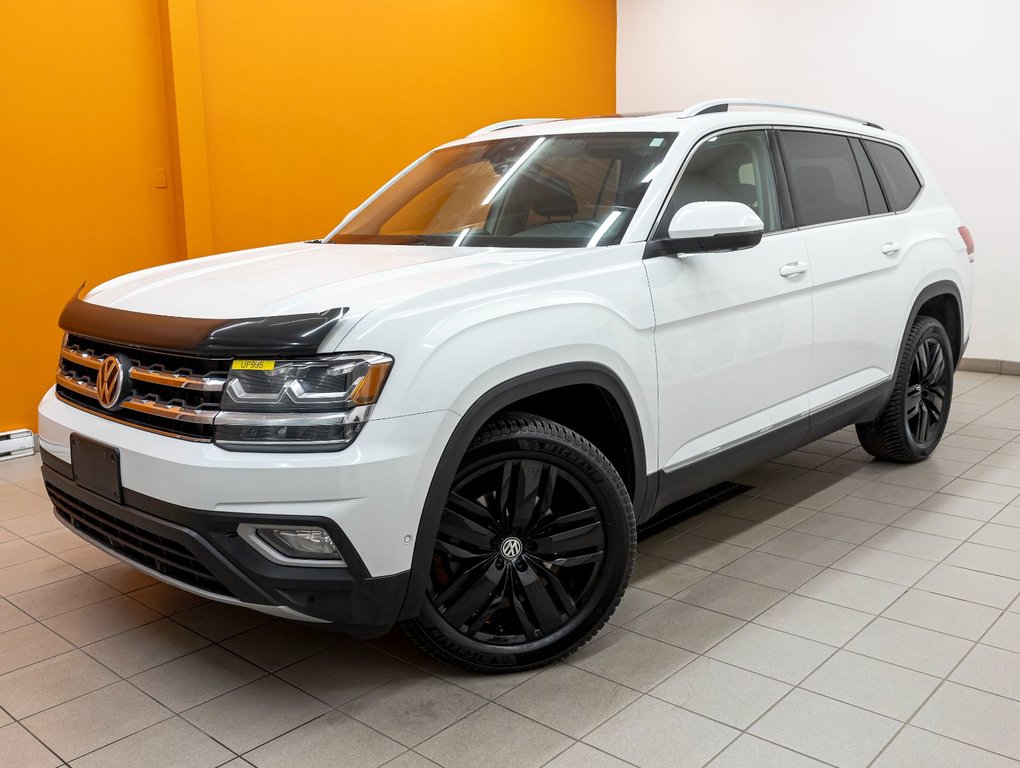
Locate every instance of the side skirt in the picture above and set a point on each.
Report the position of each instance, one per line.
(674, 485)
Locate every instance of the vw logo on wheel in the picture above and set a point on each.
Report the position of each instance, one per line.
(110, 382)
(511, 548)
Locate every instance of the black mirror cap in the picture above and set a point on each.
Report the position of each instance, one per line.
(731, 241)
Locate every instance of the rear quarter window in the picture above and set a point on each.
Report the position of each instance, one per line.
(894, 171)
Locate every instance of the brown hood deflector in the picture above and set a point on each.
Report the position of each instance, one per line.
(274, 336)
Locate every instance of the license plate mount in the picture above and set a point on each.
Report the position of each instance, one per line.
(96, 467)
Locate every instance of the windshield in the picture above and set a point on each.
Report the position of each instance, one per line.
(532, 192)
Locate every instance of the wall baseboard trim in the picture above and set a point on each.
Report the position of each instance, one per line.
(985, 365)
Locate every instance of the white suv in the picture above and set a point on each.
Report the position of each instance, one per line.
(453, 410)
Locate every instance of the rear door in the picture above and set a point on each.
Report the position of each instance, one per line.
(733, 334)
(857, 249)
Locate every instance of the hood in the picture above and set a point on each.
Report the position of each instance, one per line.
(303, 277)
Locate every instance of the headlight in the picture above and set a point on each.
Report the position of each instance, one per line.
(299, 405)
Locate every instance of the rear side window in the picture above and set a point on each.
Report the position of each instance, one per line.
(898, 179)
(825, 184)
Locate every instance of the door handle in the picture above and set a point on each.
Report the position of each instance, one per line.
(891, 249)
(793, 269)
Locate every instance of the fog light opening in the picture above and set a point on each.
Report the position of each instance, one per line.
(306, 545)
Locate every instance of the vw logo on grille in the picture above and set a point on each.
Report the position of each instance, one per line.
(511, 548)
(110, 382)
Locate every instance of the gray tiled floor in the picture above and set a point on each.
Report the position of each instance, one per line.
(844, 612)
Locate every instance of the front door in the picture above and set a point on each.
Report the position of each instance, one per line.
(733, 333)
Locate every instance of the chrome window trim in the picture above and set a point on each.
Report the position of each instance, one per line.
(863, 137)
(791, 127)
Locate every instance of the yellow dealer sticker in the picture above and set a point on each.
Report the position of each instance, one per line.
(253, 365)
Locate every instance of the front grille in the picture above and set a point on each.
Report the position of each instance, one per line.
(172, 394)
(136, 544)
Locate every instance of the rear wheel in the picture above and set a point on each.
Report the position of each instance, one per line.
(534, 549)
(912, 424)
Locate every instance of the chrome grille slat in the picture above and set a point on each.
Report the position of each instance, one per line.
(80, 386)
(172, 412)
(80, 358)
(166, 393)
(167, 379)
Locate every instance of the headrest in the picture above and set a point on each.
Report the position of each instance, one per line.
(553, 197)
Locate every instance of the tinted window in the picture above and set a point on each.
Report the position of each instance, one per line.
(734, 167)
(898, 178)
(825, 184)
(872, 190)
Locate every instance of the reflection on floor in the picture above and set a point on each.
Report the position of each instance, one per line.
(841, 612)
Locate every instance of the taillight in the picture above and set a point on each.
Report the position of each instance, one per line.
(968, 240)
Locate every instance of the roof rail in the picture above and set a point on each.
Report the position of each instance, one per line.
(512, 124)
(723, 105)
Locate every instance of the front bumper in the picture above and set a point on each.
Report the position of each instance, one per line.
(200, 551)
(374, 490)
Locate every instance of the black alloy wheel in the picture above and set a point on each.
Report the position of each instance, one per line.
(533, 551)
(912, 423)
(508, 568)
(926, 391)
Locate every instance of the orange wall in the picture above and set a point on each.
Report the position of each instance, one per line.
(82, 134)
(271, 119)
(310, 106)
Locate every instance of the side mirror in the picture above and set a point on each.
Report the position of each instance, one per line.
(709, 227)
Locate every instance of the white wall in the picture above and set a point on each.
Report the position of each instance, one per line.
(945, 74)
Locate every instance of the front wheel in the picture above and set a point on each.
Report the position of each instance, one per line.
(912, 424)
(534, 550)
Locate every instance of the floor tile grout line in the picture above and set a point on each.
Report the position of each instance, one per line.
(433, 674)
(937, 688)
(331, 710)
(835, 651)
(598, 749)
(797, 687)
(941, 681)
(42, 743)
(173, 713)
(864, 544)
(958, 741)
(76, 645)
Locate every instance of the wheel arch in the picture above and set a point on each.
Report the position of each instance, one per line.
(501, 398)
(940, 300)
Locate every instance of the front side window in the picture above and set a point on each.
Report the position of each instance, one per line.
(530, 192)
(733, 167)
(825, 184)
(898, 179)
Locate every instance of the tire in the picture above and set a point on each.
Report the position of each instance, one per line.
(534, 550)
(913, 421)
